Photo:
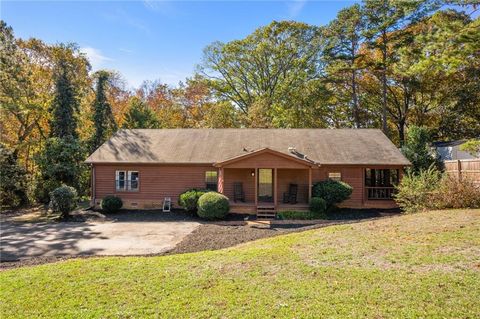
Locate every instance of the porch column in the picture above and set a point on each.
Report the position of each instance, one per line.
(256, 187)
(309, 184)
(275, 187)
(221, 179)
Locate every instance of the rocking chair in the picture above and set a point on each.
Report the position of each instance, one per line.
(291, 196)
(238, 193)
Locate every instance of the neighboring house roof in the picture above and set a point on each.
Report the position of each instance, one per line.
(451, 150)
(448, 143)
(323, 146)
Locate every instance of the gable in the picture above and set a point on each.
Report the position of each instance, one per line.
(265, 158)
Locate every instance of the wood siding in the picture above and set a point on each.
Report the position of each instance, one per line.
(155, 183)
(353, 176)
(286, 177)
(159, 181)
(266, 160)
(240, 175)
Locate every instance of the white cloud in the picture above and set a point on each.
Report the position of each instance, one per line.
(95, 56)
(295, 7)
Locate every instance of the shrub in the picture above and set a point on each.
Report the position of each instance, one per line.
(333, 192)
(415, 192)
(292, 214)
(432, 190)
(189, 199)
(111, 204)
(63, 200)
(213, 205)
(318, 205)
(454, 193)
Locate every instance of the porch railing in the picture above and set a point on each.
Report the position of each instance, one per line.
(379, 192)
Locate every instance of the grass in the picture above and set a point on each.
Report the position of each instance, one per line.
(411, 266)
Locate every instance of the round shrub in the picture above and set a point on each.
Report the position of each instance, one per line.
(318, 205)
(111, 204)
(63, 200)
(213, 205)
(333, 192)
(189, 199)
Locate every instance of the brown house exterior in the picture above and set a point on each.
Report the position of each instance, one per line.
(144, 167)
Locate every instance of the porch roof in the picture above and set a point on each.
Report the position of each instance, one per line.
(295, 160)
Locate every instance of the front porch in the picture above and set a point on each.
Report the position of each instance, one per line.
(251, 207)
(266, 182)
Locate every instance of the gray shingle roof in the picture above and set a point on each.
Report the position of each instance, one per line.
(325, 146)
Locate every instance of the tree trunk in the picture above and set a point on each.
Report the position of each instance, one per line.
(384, 84)
(401, 132)
(356, 115)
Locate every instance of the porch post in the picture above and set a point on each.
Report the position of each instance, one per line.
(256, 187)
(309, 184)
(220, 180)
(275, 187)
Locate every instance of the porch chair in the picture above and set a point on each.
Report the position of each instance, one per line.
(238, 193)
(291, 196)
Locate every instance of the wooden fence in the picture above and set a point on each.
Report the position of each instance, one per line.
(467, 168)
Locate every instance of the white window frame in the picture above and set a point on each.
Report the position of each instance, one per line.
(337, 176)
(117, 181)
(127, 181)
(129, 184)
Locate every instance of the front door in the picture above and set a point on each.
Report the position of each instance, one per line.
(265, 185)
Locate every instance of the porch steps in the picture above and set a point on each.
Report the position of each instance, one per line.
(266, 212)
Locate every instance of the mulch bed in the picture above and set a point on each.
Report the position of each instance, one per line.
(214, 235)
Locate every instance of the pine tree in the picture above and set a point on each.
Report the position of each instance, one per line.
(103, 119)
(65, 103)
(344, 36)
(418, 150)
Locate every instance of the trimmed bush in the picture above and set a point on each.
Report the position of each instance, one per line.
(189, 199)
(63, 200)
(293, 214)
(111, 204)
(333, 192)
(318, 206)
(213, 205)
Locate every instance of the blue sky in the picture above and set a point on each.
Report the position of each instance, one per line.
(148, 40)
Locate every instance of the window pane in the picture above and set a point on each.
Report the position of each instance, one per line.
(211, 180)
(133, 180)
(120, 180)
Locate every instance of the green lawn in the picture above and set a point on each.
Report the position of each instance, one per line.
(413, 266)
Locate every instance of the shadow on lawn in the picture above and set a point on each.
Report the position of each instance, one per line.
(44, 239)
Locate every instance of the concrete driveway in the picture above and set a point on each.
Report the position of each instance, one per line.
(26, 240)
